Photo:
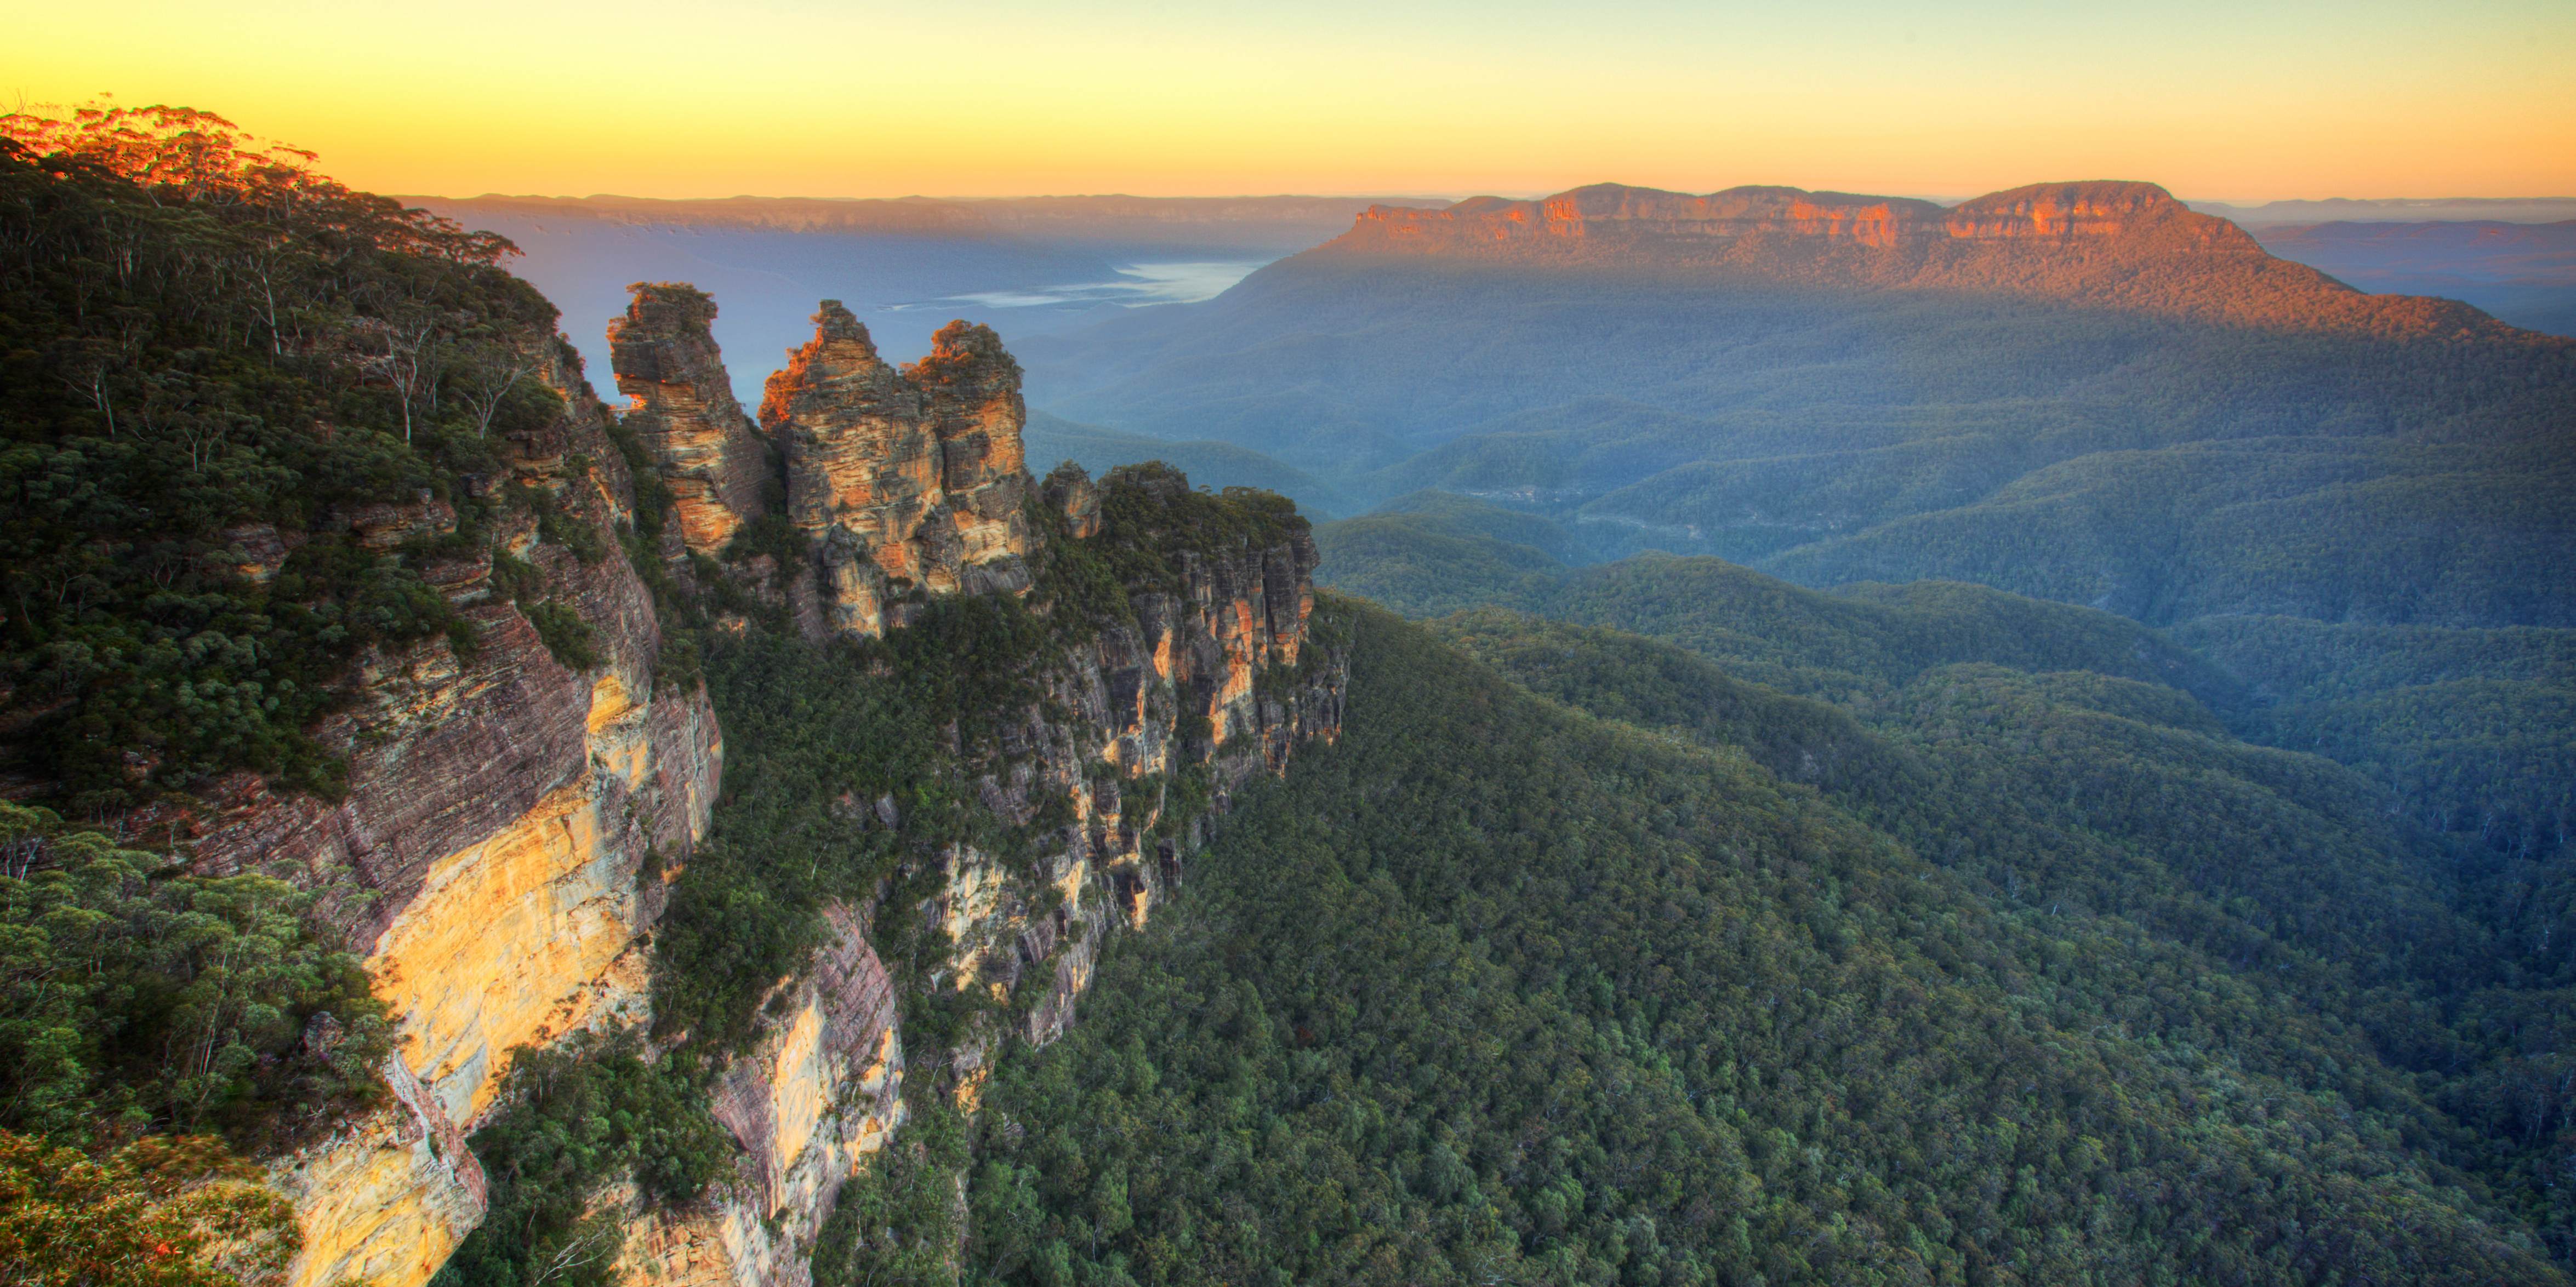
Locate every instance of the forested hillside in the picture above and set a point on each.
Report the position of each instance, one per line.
(207, 345)
(2060, 753)
(1494, 991)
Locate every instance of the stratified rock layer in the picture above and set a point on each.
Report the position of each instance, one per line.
(904, 479)
(494, 858)
(2113, 244)
(487, 860)
(703, 446)
(912, 483)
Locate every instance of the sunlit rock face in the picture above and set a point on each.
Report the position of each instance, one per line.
(2123, 245)
(1610, 213)
(706, 450)
(904, 479)
(389, 1197)
(488, 862)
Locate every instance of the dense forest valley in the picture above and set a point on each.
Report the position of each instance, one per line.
(458, 832)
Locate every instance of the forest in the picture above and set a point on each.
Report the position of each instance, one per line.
(1496, 990)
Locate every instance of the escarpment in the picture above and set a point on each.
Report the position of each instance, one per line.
(488, 860)
(2117, 244)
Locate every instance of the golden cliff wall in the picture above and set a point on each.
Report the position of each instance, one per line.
(485, 862)
(2112, 244)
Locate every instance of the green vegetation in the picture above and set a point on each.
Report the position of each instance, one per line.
(135, 997)
(896, 1221)
(209, 358)
(859, 757)
(574, 1118)
(1429, 565)
(2470, 727)
(1149, 515)
(1491, 991)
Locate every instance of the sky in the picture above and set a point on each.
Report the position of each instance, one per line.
(2240, 100)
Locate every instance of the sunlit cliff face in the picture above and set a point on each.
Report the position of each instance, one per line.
(1611, 212)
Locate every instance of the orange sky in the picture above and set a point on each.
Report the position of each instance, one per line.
(825, 98)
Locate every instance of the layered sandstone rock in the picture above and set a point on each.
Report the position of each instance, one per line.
(1133, 697)
(2115, 244)
(822, 1088)
(703, 446)
(486, 862)
(905, 479)
(493, 860)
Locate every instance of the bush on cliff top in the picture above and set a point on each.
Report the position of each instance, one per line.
(179, 1212)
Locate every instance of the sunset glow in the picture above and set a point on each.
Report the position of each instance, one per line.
(829, 98)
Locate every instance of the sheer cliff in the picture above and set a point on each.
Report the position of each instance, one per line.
(2104, 244)
(490, 860)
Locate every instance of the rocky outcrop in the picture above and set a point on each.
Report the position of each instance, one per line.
(498, 860)
(2117, 244)
(702, 445)
(910, 483)
(906, 480)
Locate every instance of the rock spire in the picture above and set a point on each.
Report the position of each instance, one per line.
(905, 479)
(703, 446)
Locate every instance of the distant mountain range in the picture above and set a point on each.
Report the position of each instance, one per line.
(1032, 265)
(2524, 273)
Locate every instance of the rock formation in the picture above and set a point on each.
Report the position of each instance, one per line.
(494, 858)
(702, 445)
(904, 479)
(920, 471)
